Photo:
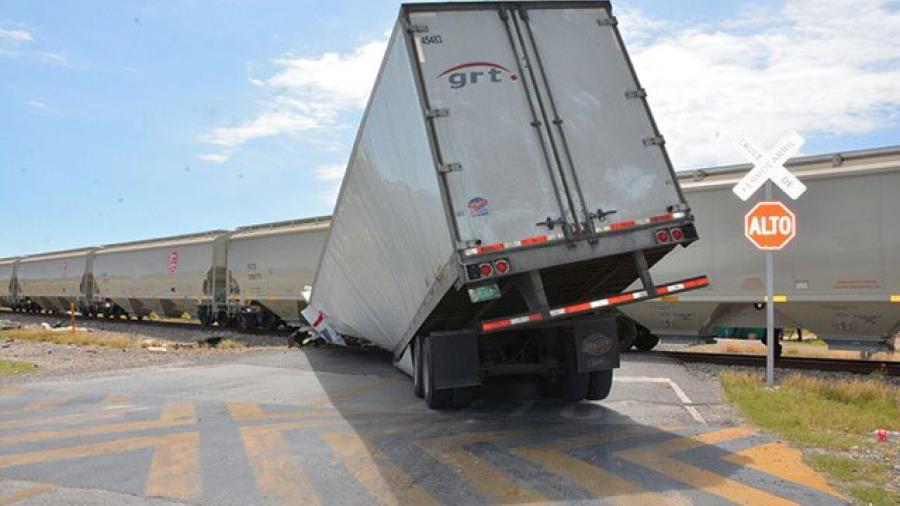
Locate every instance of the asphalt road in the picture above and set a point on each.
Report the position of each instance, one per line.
(338, 426)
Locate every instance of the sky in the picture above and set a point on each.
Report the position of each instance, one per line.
(127, 120)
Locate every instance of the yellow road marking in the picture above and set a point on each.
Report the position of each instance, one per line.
(175, 468)
(117, 400)
(489, 481)
(245, 411)
(347, 393)
(390, 486)
(594, 479)
(277, 475)
(27, 493)
(656, 457)
(173, 414)
(62, 419)
(42, 404)
(779, 459)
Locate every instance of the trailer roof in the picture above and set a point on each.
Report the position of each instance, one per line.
(536, 4)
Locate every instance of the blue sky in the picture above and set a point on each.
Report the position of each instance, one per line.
(125, 120)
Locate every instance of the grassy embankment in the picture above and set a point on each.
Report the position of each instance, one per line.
(81, 338)
(832, 421)
(10, 367)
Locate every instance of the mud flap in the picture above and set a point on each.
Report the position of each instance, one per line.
(596, 344)
(454, 357)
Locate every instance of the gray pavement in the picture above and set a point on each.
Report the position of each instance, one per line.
(341, 426)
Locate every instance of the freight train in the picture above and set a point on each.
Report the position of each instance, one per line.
(251, 277)
(839, 277)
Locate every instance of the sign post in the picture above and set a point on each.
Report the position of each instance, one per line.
(770, 225)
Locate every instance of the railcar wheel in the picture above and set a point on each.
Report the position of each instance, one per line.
(645, 341)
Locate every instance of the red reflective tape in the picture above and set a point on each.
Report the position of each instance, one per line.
(584, 306)
(535, 317)
(490, 247)
(693, 283)
(662, 289)
(618, 299)
(319, 317)
(623, 224)
(662, 217)
(495, 325)
(534, 240)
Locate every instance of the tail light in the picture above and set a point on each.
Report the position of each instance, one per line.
(676, 234)
(501, 266)
(662, 236)
(485, 269)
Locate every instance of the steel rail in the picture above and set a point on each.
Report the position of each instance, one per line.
(861, 366)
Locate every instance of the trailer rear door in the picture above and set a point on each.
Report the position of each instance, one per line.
(535, 116)
(602, 120)
(497, 161)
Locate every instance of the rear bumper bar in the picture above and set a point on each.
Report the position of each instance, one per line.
(593, 305)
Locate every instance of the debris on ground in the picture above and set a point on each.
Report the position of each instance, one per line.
(9, 325)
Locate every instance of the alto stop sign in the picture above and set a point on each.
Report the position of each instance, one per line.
(770, 225)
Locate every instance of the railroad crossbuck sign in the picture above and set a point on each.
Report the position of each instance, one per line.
(770, 165)
(770, 225)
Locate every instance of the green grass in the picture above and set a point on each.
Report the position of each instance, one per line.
(10, 367)
(830, 419)
(66, 338)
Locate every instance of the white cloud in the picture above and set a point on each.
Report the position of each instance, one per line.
(329, 172)
(307, 94)
(37, 104)
(213, 157)
(16, 35)
(819, 67)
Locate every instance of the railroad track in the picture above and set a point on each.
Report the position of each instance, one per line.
(187, 325)
(817, 364)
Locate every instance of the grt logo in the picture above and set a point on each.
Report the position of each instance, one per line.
(475, 72)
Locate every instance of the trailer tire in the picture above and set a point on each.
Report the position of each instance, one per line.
(418, 388)
(575, 386)
(463, 396)
(434, 398)
(600, 386)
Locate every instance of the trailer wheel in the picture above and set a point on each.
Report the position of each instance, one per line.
(463, 396)
(418, 388)
(575, 386)
(645, 341)
(600, 385)
(434, 398)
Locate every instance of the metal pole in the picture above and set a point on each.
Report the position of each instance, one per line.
(72, 311)
(770, 306)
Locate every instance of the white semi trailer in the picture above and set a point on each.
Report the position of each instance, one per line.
(839, 277)
(506, 184)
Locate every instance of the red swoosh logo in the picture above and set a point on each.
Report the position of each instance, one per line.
(474, 64)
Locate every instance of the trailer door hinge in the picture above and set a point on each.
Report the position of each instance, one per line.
(416, 28)
(610, 21)
(437, 113)
(654, 141)
(449, 167)
(638, 93)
